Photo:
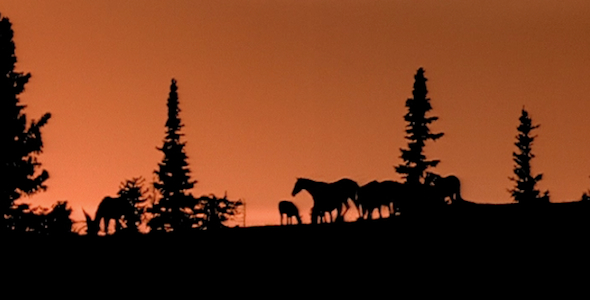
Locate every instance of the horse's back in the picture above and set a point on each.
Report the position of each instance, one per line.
(369, 193)
(390, 187)
(453, 180)
(107, 203)
(287, 206)
(346, 182)
(346, 186)
(369, 188)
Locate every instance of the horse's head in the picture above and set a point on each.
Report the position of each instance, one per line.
(298, 187)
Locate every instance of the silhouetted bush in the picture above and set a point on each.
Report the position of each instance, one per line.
(214, 212)
(41, 220)
(132, 191)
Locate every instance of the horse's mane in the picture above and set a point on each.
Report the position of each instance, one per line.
(305, 179)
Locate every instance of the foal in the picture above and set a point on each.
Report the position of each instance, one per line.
(290, 210)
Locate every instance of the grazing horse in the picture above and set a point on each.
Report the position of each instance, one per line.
(328, 197)
(445, 187)
(375, 195)
(108, 209)
(289, 209)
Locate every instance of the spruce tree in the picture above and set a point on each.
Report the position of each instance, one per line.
(173, 175)
(132, 191)
(525, 190)
(216, 211)
(20, 172)
(415, 164)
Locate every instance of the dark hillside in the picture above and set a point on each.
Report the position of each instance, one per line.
(489, 236)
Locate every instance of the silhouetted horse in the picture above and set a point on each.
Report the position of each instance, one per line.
(375, 195)
(289, 209)
(368, 199)
(108, 209)
(328, 197)
(444, 187)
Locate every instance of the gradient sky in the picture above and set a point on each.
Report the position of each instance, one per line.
(275, 90)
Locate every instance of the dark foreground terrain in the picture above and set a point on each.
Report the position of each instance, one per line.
(451, 225)
(472, 239)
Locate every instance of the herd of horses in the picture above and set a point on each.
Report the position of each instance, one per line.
(397, 198)
(394, 196)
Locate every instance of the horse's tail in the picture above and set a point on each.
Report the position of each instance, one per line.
(458, 196)
(92, 226)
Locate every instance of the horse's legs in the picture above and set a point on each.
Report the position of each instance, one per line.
(106, 222)
(390, 208)
(359, 209)
(346, 208)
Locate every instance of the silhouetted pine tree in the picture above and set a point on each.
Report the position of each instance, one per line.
(173, 176)
(525, 191)
(133, 191)
(415, 163)
(21, 142)
(58, 220)
(216, 211)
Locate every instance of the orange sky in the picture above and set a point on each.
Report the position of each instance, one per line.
(274, 90)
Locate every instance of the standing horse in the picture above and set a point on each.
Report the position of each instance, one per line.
(395, 196)
(444, 187)
(289, 209)
(328, 197)
(369, 198)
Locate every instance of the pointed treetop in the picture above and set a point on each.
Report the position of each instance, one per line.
(417, 132)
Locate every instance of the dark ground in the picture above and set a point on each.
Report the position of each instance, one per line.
(475, 242)
(445, 228)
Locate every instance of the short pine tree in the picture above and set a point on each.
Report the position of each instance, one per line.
(216, 211)
(525, 191)
(21, 142)
(415, 163)
(132, 191)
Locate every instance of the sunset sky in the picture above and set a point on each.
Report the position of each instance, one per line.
(275, 90)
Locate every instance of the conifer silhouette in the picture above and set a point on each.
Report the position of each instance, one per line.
(58, 220)
(525, 190)
(216, 211)
(132, 191)
(415, 163)
(173, 175)
(21, 142)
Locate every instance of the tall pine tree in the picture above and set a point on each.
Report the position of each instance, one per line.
(21, 143)
(173, 176)
(415, 164)
(525, 190)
